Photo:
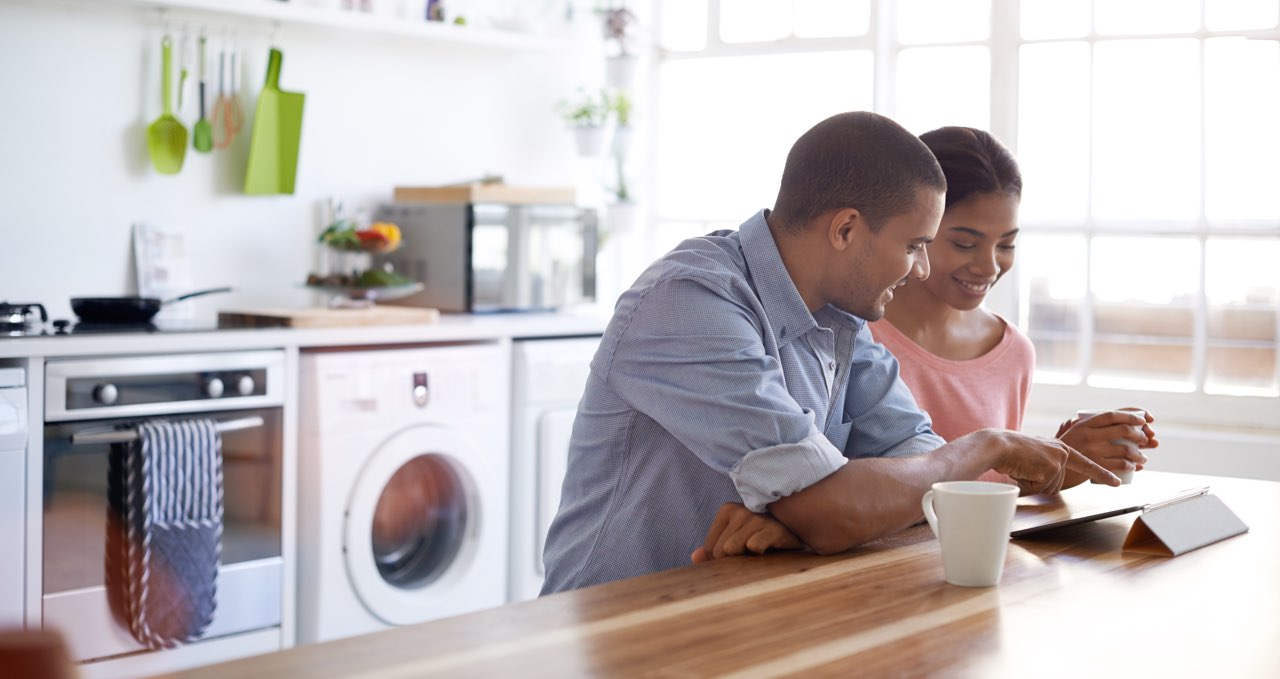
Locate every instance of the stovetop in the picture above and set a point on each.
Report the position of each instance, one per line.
(65, 328)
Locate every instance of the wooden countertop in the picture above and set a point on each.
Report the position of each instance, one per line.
(1070, 604)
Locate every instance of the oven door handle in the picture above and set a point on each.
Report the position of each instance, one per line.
(127, 435)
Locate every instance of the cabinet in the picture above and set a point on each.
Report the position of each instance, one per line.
(548, 378)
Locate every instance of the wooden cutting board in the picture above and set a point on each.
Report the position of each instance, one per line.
(326, 318)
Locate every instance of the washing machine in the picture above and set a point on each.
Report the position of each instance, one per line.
(403, 476)
(548, 378)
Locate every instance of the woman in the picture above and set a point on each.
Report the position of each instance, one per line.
(966, 366)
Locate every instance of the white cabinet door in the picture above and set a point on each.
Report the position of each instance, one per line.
(12, 536)
(554, 428)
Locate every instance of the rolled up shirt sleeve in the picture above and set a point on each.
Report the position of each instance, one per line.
(709, 379)
(768, 474)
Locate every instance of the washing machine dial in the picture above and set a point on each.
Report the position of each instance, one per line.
(421, 394)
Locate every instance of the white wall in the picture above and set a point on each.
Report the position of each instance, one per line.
(81, 82)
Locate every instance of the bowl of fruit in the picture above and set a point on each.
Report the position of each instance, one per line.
(352, 280)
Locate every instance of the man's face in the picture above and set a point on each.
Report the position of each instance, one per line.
(974, 249)
(882, 260)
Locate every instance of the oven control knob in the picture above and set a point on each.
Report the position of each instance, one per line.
(213, 388)
(245, 385)
(420, 395)
(106, 393)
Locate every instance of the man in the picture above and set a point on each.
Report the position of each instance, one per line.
(738, 369)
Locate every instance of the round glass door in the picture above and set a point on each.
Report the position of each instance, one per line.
(419, 522)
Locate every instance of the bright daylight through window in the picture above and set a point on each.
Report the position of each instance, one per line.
(1146, 129)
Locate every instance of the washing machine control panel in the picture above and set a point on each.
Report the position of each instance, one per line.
(421, 392)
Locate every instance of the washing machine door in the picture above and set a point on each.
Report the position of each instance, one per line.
(412, 525)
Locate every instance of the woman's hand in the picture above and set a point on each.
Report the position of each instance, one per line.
(737, 530)
(1114, 440)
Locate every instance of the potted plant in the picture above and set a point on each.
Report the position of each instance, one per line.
(620, 107)
(620, 66)
(620, 214)
(587, 115)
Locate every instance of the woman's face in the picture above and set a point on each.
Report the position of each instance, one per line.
(973, 249)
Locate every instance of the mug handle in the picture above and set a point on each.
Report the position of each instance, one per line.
(926, 503)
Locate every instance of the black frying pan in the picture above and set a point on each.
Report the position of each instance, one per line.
(127, 309)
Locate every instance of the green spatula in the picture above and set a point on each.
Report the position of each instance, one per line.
(203, 131)
(277, 133)
(167, 137)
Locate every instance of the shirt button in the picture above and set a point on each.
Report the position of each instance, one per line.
(831, 365)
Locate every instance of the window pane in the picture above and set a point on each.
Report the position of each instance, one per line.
(1241, 371)
(754, 20)
(1044, 19)
(1242, 129)
(1053, 131)
(943, 86)
(1231, 15)
(721, 149)
(831, 18)
(1141, 365)
(925, 21)
(684, 25)
(1053, 288)
(1147, 123)
(1146, 17)
(1144, 291)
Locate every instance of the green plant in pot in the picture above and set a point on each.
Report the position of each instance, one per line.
(620, 107)
(587, 114)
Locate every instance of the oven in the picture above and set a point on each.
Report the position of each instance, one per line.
(92, 404)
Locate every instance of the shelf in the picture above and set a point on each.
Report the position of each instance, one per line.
(294, 13)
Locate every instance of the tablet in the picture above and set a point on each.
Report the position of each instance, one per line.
(1087, 502)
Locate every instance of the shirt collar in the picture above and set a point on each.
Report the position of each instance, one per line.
(787, 313)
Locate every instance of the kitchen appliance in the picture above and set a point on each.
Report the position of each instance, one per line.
(93, 403)
(403, 499)
(13, 495)
(15, 318)
(548, 379)
(127, 309)
(495, 256)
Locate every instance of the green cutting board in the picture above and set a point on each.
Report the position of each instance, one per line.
(277, 136)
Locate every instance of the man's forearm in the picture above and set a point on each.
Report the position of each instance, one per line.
(869, 498)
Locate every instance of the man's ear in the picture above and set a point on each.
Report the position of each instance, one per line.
(842, 229)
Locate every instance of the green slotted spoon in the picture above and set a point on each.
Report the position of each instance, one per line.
(203, 130)
(167, 137)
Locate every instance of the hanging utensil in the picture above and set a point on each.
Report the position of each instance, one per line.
(277, 134)
(236, 117)
(203, 130)
(167, 136)
(184, 58)
(220, 137)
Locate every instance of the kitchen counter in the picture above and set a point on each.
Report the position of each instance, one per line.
(1071, 603)
(450, 328)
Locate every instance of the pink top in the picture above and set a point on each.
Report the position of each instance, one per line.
(965, 396)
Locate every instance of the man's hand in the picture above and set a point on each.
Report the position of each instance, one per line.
(1041, 465)
(737, 530)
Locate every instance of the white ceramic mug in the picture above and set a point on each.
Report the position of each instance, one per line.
(1082, 415)
(971, 520)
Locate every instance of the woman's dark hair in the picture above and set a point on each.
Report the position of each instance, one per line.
(975, 162)
(855, 160)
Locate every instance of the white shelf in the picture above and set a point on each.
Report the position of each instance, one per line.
(295, 13)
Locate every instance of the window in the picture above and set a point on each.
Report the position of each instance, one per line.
(1147, 135)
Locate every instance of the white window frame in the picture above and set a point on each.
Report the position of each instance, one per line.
(1004, 43)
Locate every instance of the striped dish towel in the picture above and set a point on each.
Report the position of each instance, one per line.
(164, 539)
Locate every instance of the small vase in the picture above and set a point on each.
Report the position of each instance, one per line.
(620, 71)
(622, 141)
(589, 140)
(620, 217)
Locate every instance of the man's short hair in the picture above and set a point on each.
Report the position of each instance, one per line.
(858, 160)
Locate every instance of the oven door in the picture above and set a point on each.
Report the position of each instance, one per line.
(250, 579)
